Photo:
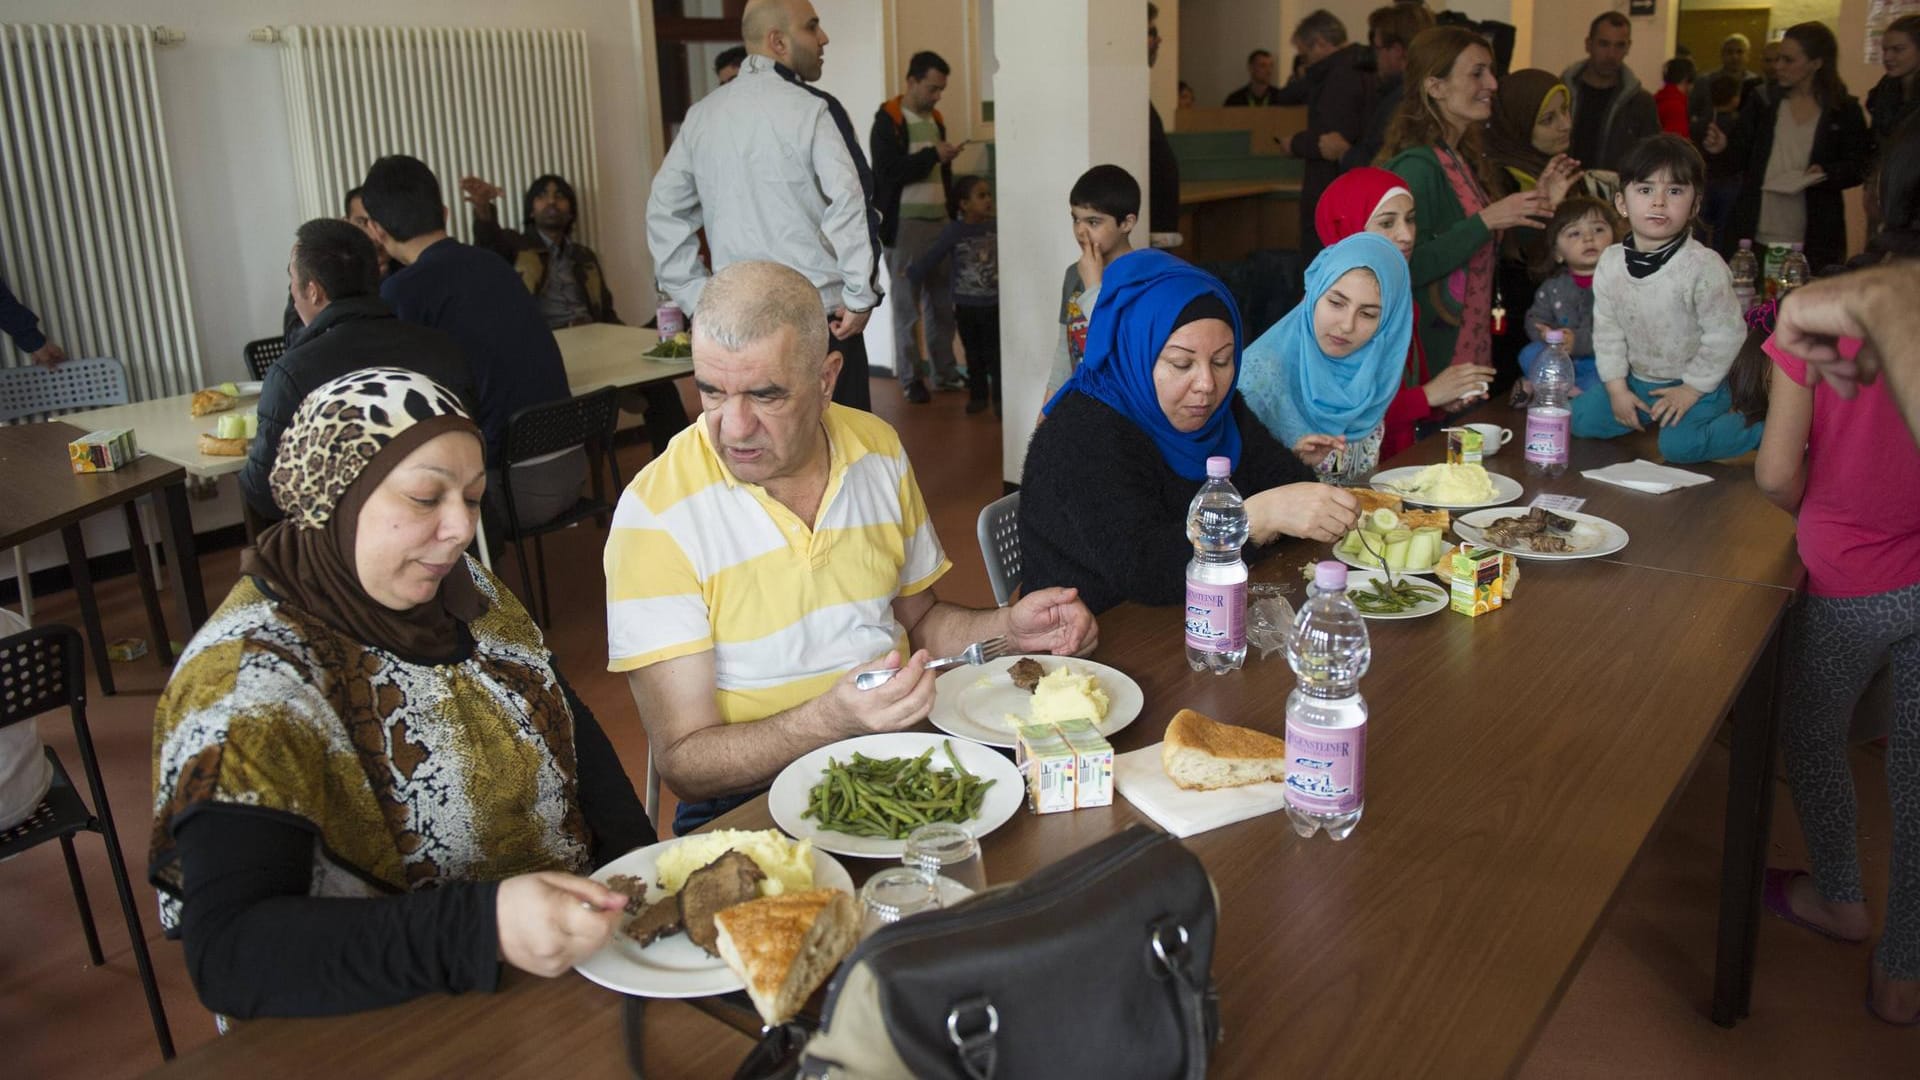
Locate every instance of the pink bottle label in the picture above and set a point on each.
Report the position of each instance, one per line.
(1326, 768)
(1549, 434)
(1216, 616)
(670, 320)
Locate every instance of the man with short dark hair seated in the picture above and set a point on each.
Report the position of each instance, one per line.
(334, 274)
(477, 299)
(355, 214)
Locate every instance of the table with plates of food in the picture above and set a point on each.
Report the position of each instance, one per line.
(1517, 763)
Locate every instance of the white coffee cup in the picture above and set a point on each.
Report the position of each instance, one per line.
(1492, 438)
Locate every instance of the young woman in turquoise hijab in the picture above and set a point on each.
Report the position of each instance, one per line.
(1322, 378)
(1109, 474)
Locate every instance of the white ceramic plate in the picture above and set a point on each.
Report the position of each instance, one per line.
(1505, 488)
(1592, 537)
(675, 967)
(249, 389)
(1363, 579)
(972, 702)
(788, 798)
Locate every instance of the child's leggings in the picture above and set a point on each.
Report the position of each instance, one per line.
(1833, 648)
(1710, 429)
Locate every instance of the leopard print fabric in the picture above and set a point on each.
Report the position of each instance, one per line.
(340, 427)
(1833, 649)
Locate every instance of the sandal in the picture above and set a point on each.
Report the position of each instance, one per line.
(1775, 895)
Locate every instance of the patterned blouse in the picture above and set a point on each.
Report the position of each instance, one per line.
(410, 774)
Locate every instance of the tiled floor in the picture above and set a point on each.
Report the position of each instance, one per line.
(1635, 1008)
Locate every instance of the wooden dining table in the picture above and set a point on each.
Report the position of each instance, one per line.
(1518, 762)
(596, 356)
(44, 495)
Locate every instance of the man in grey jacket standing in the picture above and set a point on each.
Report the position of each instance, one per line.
(1610, 110)
(772, 169)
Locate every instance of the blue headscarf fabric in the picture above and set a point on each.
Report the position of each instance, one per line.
(1296, 389)
(1141, 295)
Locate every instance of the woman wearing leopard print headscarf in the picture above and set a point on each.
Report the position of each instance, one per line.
(371, 715)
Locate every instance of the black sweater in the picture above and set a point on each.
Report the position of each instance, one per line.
(1842, 147)
(258, 945)
(1101, 511)
(348, 335)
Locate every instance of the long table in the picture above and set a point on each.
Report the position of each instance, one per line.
(596, 356)
(1518, 763)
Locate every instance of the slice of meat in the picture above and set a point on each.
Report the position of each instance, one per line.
(659, 919)
(1026, 673)
(731, 879)
(635, 889)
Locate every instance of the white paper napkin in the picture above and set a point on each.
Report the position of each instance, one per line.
(1647, 476)
(1138, 777)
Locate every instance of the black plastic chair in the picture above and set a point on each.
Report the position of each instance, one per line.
(541, 430)
(42, 669)
(261, 354)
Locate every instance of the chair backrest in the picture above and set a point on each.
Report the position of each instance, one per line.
(999, 531)
(539, 430)
(76, 384)
(261, 354)
(40, 669)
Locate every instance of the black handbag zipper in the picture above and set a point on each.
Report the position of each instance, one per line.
(932, 925)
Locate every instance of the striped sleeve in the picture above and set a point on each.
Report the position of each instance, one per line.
(656, 609)
(925, 562)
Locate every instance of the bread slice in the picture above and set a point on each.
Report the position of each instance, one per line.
(1201, 754)
(1371, 500)
(783, 947)
(206, 402)
(1420, 519)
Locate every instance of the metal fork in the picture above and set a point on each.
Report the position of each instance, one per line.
(977, 653)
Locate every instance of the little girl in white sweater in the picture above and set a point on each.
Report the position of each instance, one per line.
(1666, 325)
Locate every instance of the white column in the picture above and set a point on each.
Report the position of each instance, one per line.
(1071, 92)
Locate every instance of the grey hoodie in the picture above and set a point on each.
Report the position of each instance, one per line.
(1631, 117)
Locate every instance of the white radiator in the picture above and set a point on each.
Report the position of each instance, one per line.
(504, 105)
(89, 232)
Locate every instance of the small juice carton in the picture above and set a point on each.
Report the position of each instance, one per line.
(1092, 763)
(1465, 446)
(1477, 584)
(1048, 763)
(102, 451)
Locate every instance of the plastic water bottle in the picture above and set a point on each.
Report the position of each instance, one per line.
(1746, 275)
(1550, 415)
(1217, 578)
(1795, 271)
(1326, 720)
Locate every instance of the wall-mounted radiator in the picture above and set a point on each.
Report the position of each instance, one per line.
(89, 232)
(504, 105)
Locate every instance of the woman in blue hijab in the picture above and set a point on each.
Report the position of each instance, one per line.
(1321, 379)
(1125, 443)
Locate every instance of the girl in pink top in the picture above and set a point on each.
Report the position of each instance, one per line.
(1850, 473)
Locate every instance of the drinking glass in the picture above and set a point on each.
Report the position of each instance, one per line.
(944, 849)
(893, 894)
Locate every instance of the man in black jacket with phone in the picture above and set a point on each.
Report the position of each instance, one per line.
(912, 176)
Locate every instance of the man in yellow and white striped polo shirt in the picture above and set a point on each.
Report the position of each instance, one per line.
(779, 546)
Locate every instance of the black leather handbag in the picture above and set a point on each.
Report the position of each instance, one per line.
(1098, 965)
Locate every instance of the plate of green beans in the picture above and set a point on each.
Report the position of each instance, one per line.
(862, 796)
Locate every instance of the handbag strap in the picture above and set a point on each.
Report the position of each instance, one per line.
(1197, 1003)
(973, 1025)
(775, 1056)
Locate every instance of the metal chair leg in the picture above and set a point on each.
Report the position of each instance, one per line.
(26, 583)
(540, 560)
(80, 901)
(141, 960)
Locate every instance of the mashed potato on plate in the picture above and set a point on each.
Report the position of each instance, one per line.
(788, 864)
(1065, 694)
(1450, 484)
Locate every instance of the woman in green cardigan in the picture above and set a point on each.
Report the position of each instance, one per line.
(1434, 144)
